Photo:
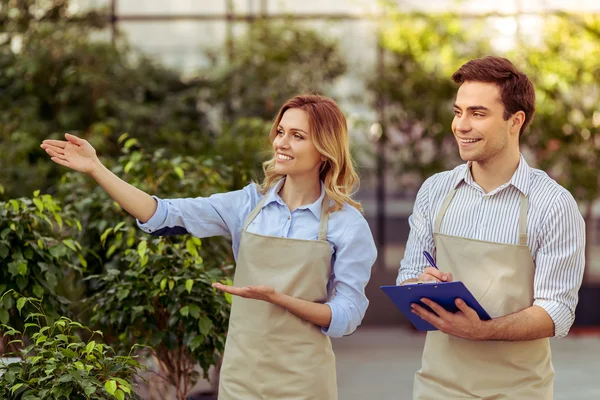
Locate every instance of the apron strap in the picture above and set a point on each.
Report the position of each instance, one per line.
(322, 225)
(324, 218)
(523, 220)
(255, 212)
(442, 212)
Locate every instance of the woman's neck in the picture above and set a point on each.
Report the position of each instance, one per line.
(300, 192)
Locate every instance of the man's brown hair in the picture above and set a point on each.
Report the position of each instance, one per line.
(516, 90)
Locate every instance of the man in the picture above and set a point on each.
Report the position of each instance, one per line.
(513, 235)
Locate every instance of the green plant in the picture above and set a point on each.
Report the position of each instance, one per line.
(59, 365)
(37, 250)
(164, 299)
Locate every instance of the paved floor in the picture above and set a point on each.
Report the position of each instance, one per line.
(379, 363)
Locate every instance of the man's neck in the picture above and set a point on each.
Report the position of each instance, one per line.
(298, 192)
(493, 173)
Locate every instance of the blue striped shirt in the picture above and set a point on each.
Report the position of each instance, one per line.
(353, 250)
(555, 229)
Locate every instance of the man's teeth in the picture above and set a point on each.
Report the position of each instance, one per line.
(469, 140)
(284, 157)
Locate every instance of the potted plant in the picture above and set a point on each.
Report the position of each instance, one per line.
(58, 364)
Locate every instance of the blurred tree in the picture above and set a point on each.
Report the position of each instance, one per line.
(54, 77)
(564, 135)
(270, 63)
(415, 87)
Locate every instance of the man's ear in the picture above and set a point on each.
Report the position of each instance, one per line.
(517, 121)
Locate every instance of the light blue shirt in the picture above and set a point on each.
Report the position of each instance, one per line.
(353, 250)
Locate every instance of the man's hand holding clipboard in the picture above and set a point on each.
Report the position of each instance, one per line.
(435, 302)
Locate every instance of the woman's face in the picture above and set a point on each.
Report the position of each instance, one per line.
(295, 151)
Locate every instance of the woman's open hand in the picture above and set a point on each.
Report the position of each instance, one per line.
(74, 153)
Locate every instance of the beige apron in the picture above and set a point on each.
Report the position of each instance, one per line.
(500, 276)
(270, 353)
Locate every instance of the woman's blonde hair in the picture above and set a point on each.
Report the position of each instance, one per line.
(329, 133)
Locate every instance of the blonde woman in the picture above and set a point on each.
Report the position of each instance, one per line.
(303, 249)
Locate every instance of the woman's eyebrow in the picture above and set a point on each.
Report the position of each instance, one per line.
(293, 129)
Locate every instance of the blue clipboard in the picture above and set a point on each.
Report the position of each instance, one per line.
(443, 293)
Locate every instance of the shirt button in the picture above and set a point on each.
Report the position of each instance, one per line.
(289, 218)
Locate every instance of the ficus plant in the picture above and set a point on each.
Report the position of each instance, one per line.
(38, 250)
(58, 364)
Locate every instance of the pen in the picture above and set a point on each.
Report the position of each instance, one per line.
(430, 259)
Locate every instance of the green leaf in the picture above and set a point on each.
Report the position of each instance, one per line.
(163, 284)
(194, 311)
(105, 235)
(4, 316)
(120, 395)
(22, 268)
(39, 204)
(142, 247)
(15, 205)
(189, 284)
(122, 294)
(171, 284)
(110, 386)
(41, 339)
(40, 244)
(58, 251)
(21, 303)
(36, 193)
(38, 291)
(90, 347)
(89, 390)
(3, 251)
(70, 244)
(130, 142)
(128, 166)
(58, 219)
(185, 311)
(69, 353)
(191, 247)
(82, 260)
(205, 325)
(196, 342)
(8, 301)
(179, 171)
(16, 387)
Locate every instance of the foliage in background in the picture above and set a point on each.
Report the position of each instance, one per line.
(55, 78)
(59, 365)
(270, 63)
(421, 53)
(37, 251)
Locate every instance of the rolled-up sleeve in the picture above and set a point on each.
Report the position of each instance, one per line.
(420, 238)
(217, 215)
(560, 262)
(354, 258)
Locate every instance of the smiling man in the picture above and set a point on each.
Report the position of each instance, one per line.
(513, 235)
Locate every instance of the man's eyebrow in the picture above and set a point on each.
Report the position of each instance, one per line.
(473, 108)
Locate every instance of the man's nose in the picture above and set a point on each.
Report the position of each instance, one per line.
(463, 124)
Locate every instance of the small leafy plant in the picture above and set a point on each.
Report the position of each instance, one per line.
(58, 364)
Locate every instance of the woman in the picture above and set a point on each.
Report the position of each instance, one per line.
(304, 251)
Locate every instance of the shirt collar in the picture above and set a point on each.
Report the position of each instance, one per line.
(520, 179)
(315, 208)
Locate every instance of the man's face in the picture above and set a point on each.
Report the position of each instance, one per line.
(480, 130)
